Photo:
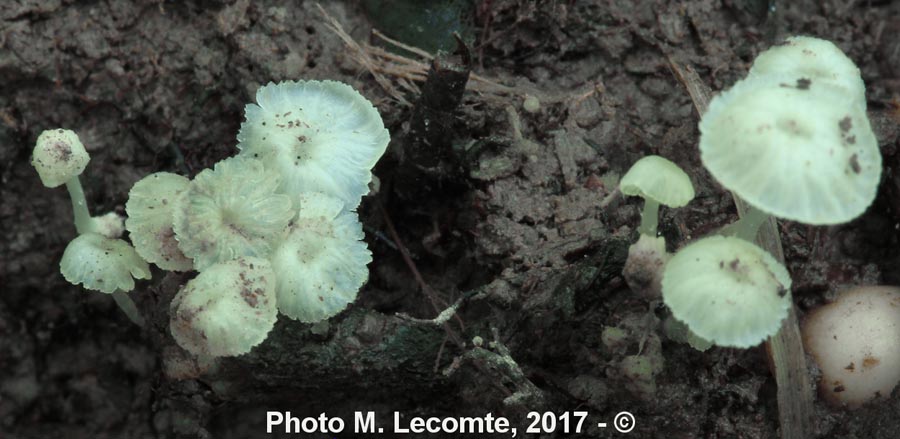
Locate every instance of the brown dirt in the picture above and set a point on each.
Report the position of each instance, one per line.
(160, 86)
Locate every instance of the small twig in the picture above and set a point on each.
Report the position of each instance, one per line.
(429, 292)
(444, 315)
(440, 354)
(413, 49)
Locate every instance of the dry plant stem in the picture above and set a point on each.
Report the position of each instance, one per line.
(795, 396)
(405, 72)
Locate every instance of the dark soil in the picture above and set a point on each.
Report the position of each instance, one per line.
(161, 85)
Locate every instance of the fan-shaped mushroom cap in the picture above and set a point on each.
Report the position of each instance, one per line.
(150, 207)
(231, 211)
(322, 263)
(804, 59)
(102, 264)
(58, 156)
(803, 154)
(727, 291)
(856, 343)
(320, 136)
(226, 310)
(659, 179)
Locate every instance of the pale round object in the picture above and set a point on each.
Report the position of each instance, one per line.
(658, 179)
(727, 291)
(803, 154)
(812, 59)
(226, 310)
(58, 157)
(856, 344)
(320, 136)
(321, 265)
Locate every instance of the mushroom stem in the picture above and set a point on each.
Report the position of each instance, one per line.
(128, 307)
(649, 218)
(748, 226)
(83, 221)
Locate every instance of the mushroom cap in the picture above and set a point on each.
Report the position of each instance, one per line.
(659, 179)
(856, 344)
(806, 154)
(150, 207)
(815, 59)
(226, 310)
(102, 264)
(58, 157)
(322, 263)
(320, 136)
(231, 211)
(727, 291)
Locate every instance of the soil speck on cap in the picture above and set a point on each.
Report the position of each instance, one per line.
(845, 124)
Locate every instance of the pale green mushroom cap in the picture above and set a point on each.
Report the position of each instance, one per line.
(658, 179)
(727, 291)
(226, 310)
(59, 156)
(150, 207)
(319, 136)
(102, 264)
(814, 59)
(322, 264)
(803, 154)
(231, 211)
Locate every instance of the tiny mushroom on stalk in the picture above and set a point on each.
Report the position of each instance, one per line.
(658, 181)
(855, 341)
(59, 158)
(727, 291)
(226, 310)
(94, 259)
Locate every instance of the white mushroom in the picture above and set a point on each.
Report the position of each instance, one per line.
(803, 154)
(319, 136)
(321, 265)
(727, 291)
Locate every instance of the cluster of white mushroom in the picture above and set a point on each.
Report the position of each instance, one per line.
(793, 140)
(272, 229)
